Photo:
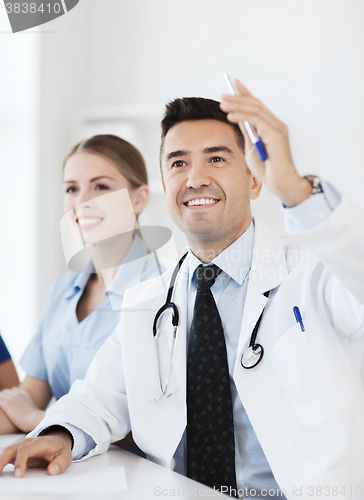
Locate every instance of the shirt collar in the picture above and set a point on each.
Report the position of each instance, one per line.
(80, 281)
(235, 260)
(128, 274)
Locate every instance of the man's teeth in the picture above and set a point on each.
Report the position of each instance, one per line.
(88, 222)
(202, 201)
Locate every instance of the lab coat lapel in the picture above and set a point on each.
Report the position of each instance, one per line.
(268, 271)
(169, 415)
(254, 305)
(179, 297)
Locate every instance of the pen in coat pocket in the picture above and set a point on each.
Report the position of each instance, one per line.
(297, 315)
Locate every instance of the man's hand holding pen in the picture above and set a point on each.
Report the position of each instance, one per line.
(278, 172)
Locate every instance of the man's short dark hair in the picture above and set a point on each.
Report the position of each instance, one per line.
(193, 109)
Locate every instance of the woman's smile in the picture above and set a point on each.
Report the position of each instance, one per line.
(88, 222)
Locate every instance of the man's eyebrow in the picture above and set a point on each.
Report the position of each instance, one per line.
(217, 149)
(212, 149)
(179, 152)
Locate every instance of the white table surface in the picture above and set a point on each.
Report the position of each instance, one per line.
(146, 481)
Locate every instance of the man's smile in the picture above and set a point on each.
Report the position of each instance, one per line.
(201, 201)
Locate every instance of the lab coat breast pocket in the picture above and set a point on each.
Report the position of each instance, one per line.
(314, 371)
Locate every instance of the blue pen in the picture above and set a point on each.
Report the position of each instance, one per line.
(252, 133)
(298, 317)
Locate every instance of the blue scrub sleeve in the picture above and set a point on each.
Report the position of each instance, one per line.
(33, 362)
(4, 353)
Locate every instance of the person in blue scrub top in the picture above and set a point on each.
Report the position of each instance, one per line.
(80, 312)
(8, 375)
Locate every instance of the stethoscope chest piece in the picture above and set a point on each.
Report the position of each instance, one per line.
(252, 356)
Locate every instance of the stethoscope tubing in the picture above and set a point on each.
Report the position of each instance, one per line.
(255, 352)
(254, 348)
(253, 337)
(175, 320)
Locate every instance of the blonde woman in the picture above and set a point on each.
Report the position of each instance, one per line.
(80, 313)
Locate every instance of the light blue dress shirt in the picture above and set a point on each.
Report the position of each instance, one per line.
(62, 348)
(253, 472)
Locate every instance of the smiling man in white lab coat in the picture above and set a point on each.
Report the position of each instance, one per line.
(298, 415)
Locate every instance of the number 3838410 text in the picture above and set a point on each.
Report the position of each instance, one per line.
(33, 8)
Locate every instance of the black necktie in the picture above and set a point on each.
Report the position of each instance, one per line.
(210, 426)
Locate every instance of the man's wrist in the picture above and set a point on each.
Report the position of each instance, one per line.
(298, 193)
(58, 430)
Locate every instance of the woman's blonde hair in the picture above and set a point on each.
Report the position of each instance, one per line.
(124, 156)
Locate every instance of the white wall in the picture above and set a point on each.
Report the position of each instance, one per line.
(19, 99)
(304, 59)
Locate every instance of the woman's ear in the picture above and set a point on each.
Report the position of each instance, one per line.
(140, 198)
(255, 188)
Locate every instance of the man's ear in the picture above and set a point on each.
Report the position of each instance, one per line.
(164, 187)
(255, 188)
(140, 198)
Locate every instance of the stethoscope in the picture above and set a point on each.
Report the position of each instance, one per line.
(250, 358)
(175, 319)
(253, 355)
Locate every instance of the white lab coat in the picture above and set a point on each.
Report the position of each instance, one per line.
(305, 399)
